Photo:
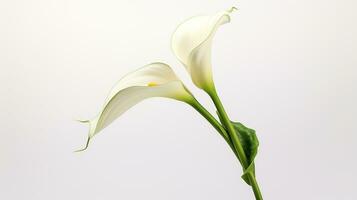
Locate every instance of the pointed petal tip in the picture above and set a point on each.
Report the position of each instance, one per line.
(82, 120)
(85, 147)
(232, 9)
(88, 139)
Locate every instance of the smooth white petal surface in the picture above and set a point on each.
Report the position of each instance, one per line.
(153, 80)
(191, 43)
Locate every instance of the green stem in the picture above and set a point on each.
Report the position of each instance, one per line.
(235, 141)
(231, 131)
(255, 187)
(214, 122)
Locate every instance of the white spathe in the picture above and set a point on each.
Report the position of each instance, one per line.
(191, 43)
(153, 80)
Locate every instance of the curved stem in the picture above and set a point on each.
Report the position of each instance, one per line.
(255, 187)
(235, 141)
(231, 131)
(214, 122)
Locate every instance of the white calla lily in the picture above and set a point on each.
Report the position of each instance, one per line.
(153, 80)
(191, 43)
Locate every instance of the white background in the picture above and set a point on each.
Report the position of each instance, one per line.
(286, 68)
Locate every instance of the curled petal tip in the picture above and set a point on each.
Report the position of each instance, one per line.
(85, 147)
(82, 121)
(232, 9)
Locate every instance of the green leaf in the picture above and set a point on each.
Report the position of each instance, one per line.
(249, 142)
(250, 145)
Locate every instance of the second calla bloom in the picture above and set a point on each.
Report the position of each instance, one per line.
(191, 43)
(153, 80)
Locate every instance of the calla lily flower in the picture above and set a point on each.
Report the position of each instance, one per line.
(153, 80)
(191, 43)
